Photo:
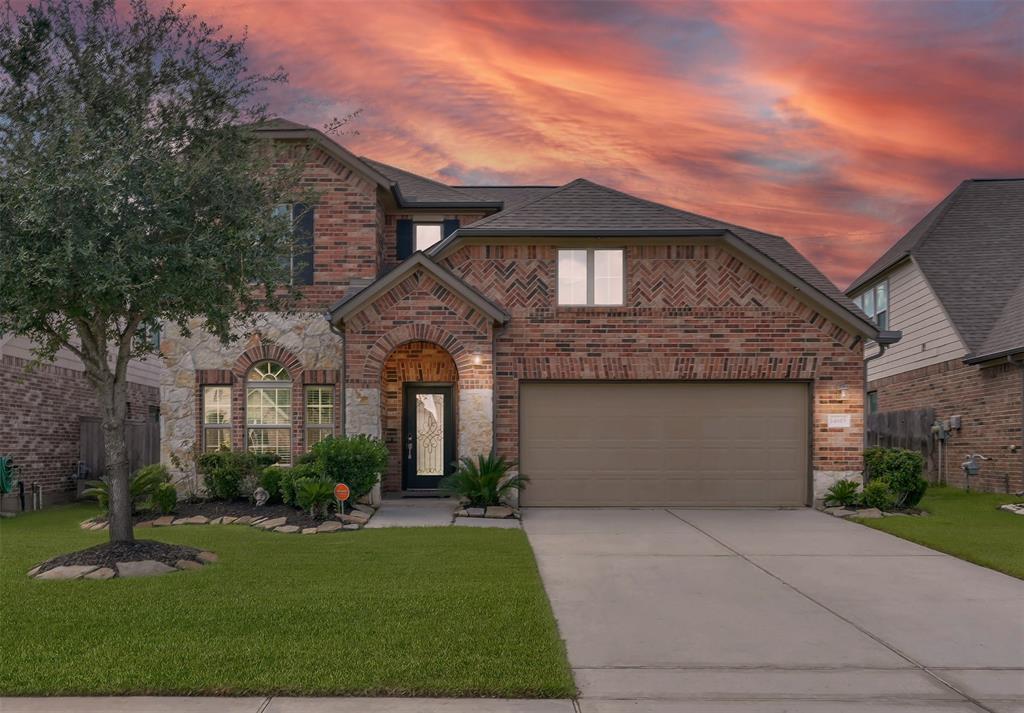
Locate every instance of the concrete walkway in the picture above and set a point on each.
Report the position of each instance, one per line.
(413, 512)
(773, 610)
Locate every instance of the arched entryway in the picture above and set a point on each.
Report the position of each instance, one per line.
(419, 397)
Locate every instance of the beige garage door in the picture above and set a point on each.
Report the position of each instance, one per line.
(657, 443)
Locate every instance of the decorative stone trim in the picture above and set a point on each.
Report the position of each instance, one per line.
(493, 512)
(353, 519)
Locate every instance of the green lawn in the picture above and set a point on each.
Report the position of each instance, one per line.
(967, 525)
(438, 611)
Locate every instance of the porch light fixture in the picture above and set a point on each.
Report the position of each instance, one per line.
(477, 359)
(843, 391)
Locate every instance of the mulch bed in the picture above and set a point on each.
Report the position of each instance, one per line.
(110, 553)
(239, 508)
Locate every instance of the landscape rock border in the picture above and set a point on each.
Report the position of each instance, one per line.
(102, 567)
(499, 512)
(1014, 508)
(353, 519)
(843, 513)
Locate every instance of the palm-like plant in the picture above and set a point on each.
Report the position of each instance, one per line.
(483, 481)
(141, 487)
(314, 495)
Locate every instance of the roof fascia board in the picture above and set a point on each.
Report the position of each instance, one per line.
(485, 205)
(355, 302)
(446, 246)
(878, 277)
(994, 356)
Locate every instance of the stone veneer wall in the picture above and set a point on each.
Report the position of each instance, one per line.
(990, 402)
(692, 312)
(303, 341)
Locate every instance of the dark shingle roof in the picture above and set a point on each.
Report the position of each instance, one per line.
(584, 205)
(970, 248)
(419, 189)
(511, 196)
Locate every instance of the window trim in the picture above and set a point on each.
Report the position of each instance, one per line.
(872, 402)
(307, 426)
(276, 385)
(226, 426)
(415, 237)
(591, 277)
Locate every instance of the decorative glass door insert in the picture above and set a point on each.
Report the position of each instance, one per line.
(428, 437)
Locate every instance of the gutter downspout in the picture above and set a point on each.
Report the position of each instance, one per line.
(885, 338)
(341, 371)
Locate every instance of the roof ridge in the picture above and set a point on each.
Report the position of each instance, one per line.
(416, 175)
(505, 213)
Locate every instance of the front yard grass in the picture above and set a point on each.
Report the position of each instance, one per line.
(426, 611)
(966, 525)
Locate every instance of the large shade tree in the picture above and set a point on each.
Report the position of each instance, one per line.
(133, 191)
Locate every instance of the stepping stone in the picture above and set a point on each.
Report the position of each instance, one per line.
(164, 521)
(329, 527)
(309, 530)
(365, 509)
(287, 529)
(356, 518)
(66, 572)
(207, 557)
(499, 511)
(145, 568)
(188, 564)
(272, 523)
(101, 573)
(244, 520)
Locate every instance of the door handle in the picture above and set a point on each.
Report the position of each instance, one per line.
(408, 447)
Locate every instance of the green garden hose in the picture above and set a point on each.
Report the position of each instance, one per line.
(7, 479)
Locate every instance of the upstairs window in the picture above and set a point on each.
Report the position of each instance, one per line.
(268, 410)
(591, 277)
(298, 262)
(875, 303)
(427, 234)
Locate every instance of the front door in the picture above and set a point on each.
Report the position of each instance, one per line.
(428, 435)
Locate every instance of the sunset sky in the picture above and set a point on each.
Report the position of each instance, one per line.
(835, 125)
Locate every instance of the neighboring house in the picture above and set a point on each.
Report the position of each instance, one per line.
(41, 411)
(623, 352)
(954, 286)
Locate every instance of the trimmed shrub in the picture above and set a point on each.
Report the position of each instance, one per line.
(270, 480)
(314, 495)
(878, 494)
(165, 498)
(484, 481)
(229, 475)
(901, 470)
(843, 493)
(357, 461)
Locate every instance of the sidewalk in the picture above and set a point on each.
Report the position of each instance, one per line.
(146, 704)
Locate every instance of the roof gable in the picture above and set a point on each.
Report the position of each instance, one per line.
(970, 249)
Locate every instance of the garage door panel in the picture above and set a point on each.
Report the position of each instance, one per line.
(647, 443)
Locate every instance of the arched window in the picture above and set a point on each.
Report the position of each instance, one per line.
(268, 410)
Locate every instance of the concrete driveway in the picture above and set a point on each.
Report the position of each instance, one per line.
(773, 610)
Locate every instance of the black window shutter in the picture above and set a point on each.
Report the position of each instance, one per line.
(302, 251)
(449, 227)
(404, 230)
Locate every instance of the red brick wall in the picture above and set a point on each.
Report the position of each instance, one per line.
(411, 362)
(989, 402)
(692, 312)
(39, 420)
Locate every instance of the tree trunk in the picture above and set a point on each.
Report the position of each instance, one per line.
(113, 400)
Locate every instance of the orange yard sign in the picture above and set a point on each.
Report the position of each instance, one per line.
(341, 492)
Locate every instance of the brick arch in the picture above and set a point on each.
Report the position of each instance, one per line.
(268, 351)
(378, 354)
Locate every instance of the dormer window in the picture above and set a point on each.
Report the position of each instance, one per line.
(875, 303)
(427, 234)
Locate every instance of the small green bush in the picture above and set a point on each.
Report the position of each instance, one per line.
(878, 494)
(270, 480)
(314, 495)
(229, 475)
(483, 482)
(901, 470)
(165, 498)
(843, 493)
(141, 487)
(357, 461)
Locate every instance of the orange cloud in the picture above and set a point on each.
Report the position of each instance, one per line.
(835, 125)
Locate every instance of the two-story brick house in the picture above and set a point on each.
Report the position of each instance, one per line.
(954, 286)
(620, 350)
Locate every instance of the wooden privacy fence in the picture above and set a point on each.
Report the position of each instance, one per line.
(911, 429)
(142, 440)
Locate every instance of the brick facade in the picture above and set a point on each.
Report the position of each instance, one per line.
(692, 312)
(40, 410)
(990, 402)
(389, 236)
